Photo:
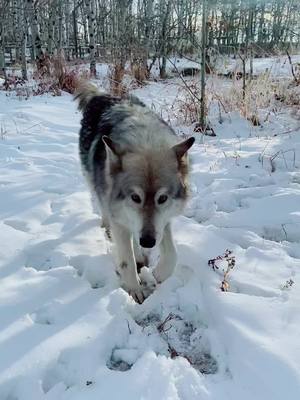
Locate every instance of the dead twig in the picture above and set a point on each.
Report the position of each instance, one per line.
(129, 330)
(173, 352)
(282, 153)
(161, 327)
(287, 132)
(230, 259)
(225, 284)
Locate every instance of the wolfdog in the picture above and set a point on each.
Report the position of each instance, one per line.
(138, 171)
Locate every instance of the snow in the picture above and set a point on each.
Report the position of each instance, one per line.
(278, 66)
(69, 332)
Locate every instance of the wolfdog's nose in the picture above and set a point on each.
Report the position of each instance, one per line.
(147, 241)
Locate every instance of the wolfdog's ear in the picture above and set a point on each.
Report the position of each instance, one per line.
(182, 147)
(113, 147)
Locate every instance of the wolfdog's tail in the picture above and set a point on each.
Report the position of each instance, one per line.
(84, 93)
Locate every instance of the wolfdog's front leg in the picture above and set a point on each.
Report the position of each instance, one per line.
(168, 256)
(126, 268)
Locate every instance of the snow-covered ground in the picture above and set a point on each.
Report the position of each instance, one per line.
(69, 332)
(278, 66)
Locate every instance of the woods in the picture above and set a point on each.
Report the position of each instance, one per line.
(125, 30)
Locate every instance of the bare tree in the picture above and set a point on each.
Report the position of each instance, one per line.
(32, 12)
(23, 33)
(3, 8)
(203, 60)
(91, 15)
(127, 30)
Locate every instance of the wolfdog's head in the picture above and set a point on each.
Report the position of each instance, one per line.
(149, 188)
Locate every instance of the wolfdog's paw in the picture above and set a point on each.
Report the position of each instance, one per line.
(159, 275)
(138, 294)
(108, 233)
(141, 292)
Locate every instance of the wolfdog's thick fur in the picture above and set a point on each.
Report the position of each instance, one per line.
(137, 169)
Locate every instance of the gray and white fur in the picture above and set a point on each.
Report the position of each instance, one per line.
(137, 170)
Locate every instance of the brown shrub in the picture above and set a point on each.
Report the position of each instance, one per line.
(116, 75)
(139, 72)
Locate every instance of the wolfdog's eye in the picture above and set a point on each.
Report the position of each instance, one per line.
(136, 198)
(162, 199)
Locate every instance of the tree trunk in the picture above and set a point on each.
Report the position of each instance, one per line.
(203, 59)
(24, 31)
(17, 22)
(36, 41)
(75, 32)
(91, 9)
(51, 26)
(165, 13)
(251, 37)
(2, 50)
(67, 28)
(2, 60)
(60, 26)
(147, 33)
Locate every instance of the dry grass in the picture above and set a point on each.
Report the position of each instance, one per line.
(288, 93)
(43, 65)
(62, 78)
(189, 106)
(116, 76)
(3, 131)
(67, 79)
(255, 102)
(51, 76)
(139, 72)
(261, 93)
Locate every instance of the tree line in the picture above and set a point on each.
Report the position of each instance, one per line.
(141, 30)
